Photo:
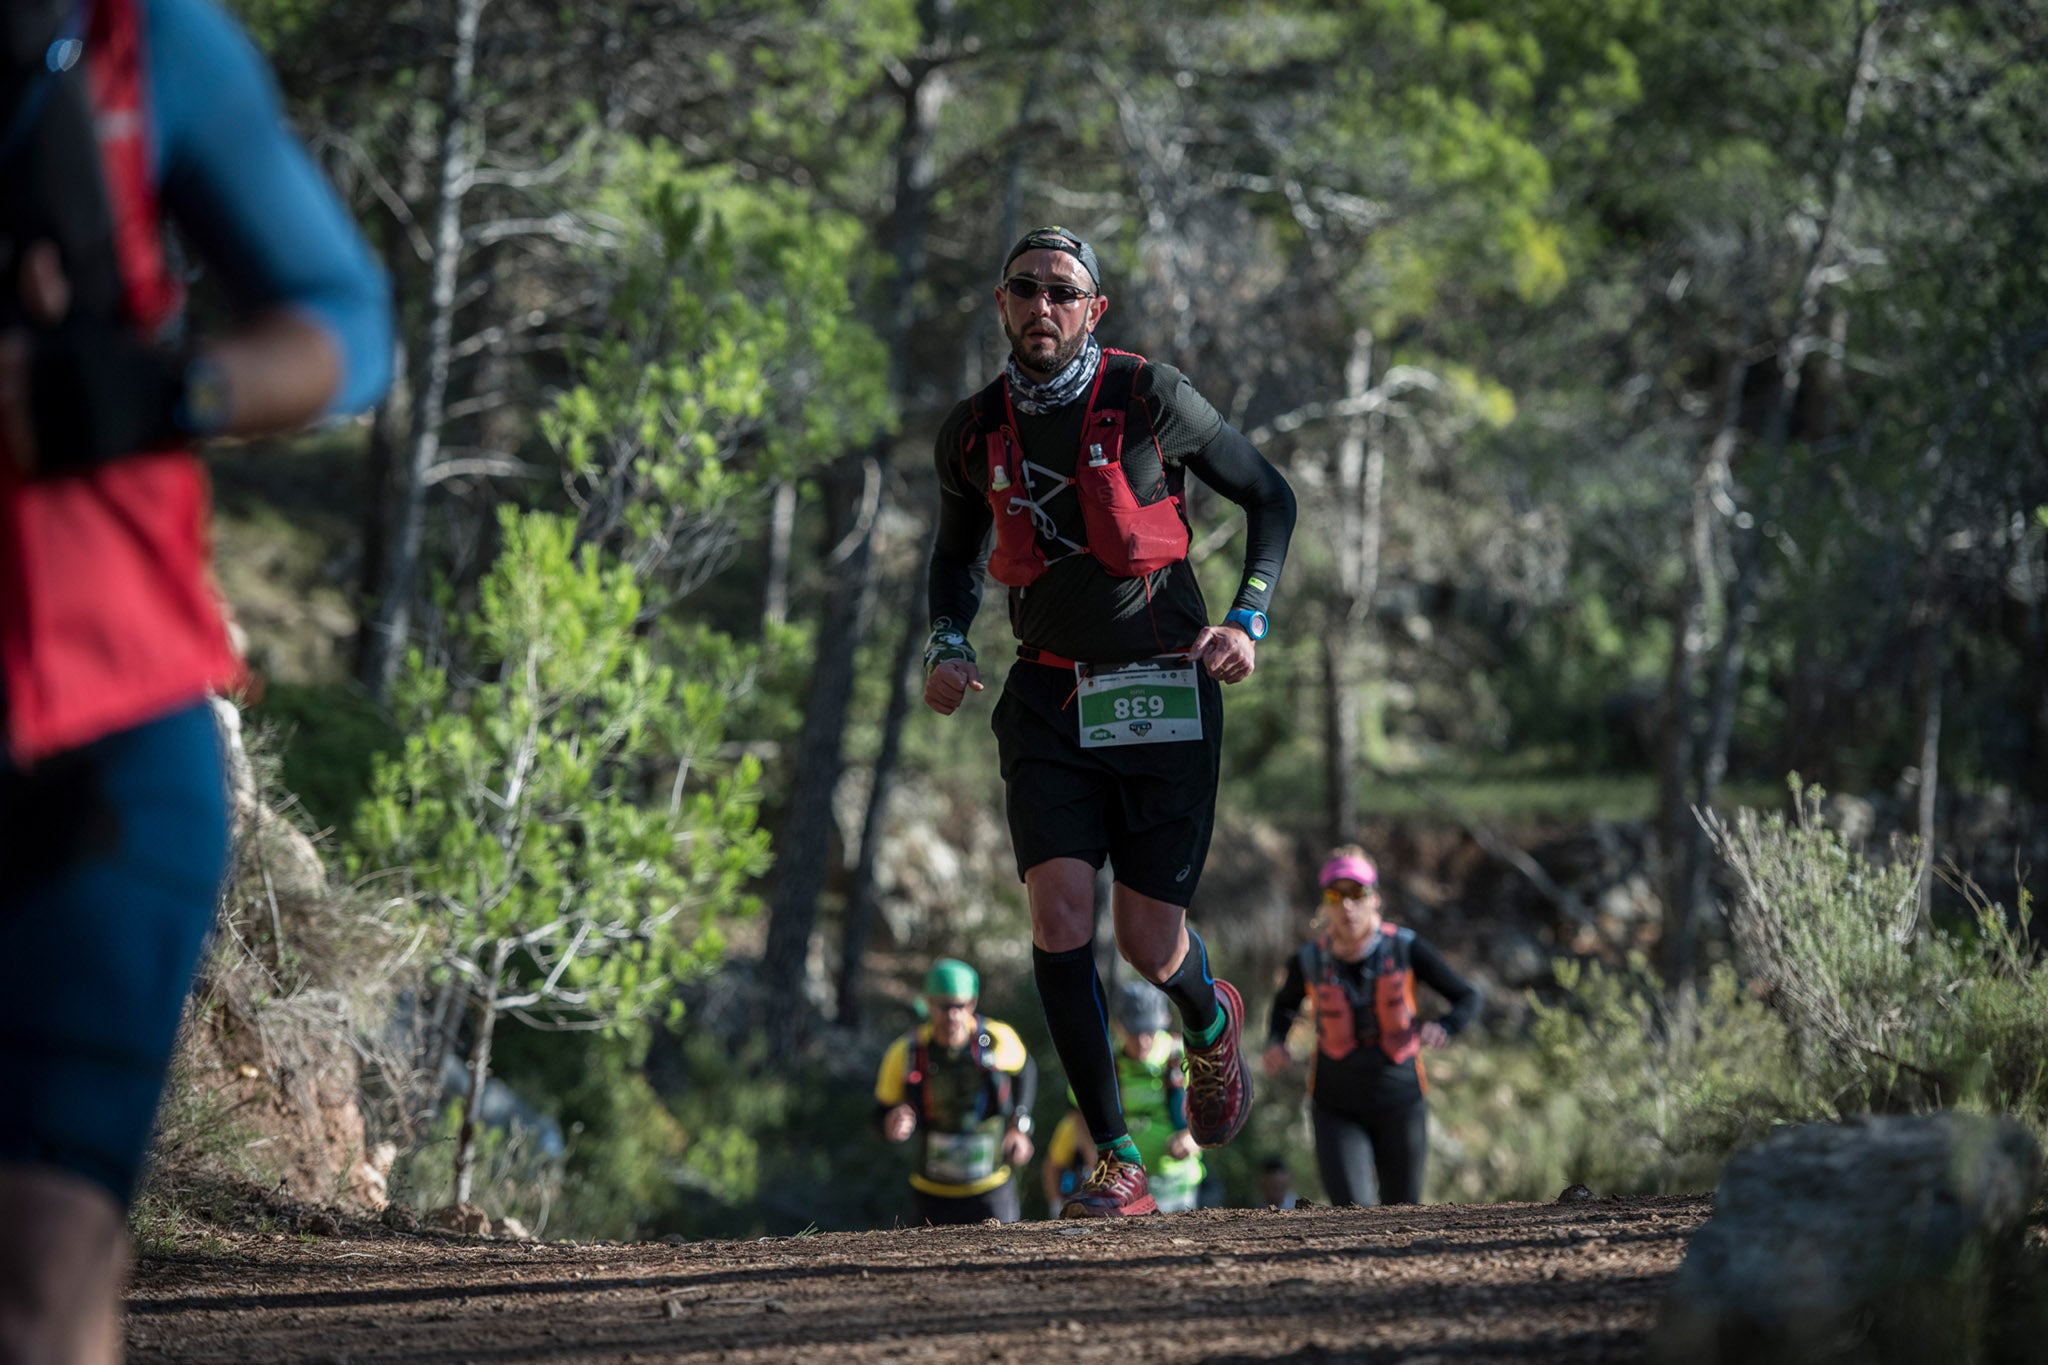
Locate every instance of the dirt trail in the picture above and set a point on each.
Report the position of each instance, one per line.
(1520, 1282)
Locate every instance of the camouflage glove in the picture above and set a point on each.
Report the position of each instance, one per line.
(947, 641)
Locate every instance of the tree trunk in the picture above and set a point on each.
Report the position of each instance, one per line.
(860, 897)
(391, 622)
(781, 533)
(1928, 652)
(1928, 667)
(1696, 751)
(793, 908)
(806, 833)
(976, 355)
(1724, 689)
(380, 454)
(1358, 472)
(473, 1098)
(1678, 831)
(1340, 742)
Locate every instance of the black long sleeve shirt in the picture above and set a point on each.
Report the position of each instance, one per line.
(1076, 608)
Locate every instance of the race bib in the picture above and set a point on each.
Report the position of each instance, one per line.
(1143, 703)
(961, 1158)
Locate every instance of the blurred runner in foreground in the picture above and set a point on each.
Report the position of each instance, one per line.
(115, 115)
(963, 1085)
(1366, 1081)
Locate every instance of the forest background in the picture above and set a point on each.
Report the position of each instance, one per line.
(1663, 386)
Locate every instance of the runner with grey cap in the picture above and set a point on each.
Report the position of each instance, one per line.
(1065, 479)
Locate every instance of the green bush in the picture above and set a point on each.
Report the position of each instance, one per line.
(328, 738)
(1886, 1012)
(777, 1144)
(1845, 1003)
(1611, 1091)
(618, 1178)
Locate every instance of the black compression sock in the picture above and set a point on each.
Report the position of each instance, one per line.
(1077, 1016)
(1193, 990)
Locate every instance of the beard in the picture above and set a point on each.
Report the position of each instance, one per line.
(1062, 353)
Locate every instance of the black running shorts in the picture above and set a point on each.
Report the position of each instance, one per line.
(1148, 808)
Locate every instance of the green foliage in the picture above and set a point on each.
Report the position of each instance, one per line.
(1842, 1008)
(544, 824)
(1663, 1100)
(1611, 1091)
(526, 817)
(1887, 1013)
(735, 358)
(513, 1177)
(774, 1144)
(624, 1149)
(330, 738)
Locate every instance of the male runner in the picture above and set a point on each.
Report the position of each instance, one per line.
(1110, 729)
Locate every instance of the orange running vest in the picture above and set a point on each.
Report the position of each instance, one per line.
(1393, 1001)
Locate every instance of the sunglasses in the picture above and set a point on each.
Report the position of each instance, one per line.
(1334, 895)
(1063, 295)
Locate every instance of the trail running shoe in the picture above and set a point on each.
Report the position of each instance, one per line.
(1117, 1189)
(1219, 1078)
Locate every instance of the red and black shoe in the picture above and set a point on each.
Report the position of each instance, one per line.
(1117, 1189)
(1220, 1078)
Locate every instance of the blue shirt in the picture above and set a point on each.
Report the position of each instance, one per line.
(250, 200)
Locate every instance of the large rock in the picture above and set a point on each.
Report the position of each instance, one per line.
(1873, 1240)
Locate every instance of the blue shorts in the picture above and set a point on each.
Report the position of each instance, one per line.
(111, 869)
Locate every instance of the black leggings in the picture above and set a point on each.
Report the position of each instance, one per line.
(1392, 1143)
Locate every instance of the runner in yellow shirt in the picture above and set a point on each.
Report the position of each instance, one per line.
(962, 1084)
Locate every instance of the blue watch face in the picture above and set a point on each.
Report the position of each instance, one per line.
(1252, 622)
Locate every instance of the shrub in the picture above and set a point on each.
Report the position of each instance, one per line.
(1886, 1012)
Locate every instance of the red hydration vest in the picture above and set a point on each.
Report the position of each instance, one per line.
(1128, 538)
(108, 612)
(1393, 1003)
(996, 1082)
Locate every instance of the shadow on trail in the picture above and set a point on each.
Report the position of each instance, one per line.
(606, 1332)
(767, 1276)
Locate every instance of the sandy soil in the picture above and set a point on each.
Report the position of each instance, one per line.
(1520, 1282)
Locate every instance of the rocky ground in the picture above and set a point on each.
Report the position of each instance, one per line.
(1510, 1282)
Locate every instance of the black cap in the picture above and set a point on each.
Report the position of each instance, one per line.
(1057, 239)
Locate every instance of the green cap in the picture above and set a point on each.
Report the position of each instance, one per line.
(951, 979)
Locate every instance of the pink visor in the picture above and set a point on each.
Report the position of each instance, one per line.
(1348, 868)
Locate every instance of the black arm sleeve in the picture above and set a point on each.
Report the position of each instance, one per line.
(1193, 434)
(1287, 1004)
(1027, 1087)
(1432, 971)
(960, 550)
(1232, 466)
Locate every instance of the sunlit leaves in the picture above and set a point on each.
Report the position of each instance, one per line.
(561, 826)
(736, 355)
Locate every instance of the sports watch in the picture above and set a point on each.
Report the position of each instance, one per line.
(1252, 623)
